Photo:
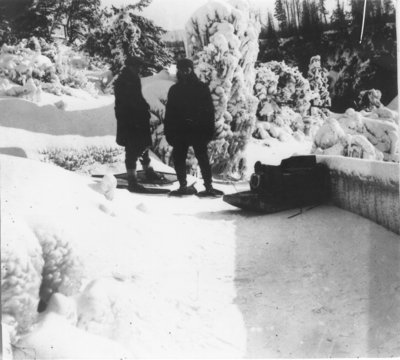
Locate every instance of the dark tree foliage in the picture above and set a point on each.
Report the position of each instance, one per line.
(338, 18)
(41, 18)
(280, 15)
(82, 16)
(323, 11)
(311, 24)
(353, 66)
(11, 14)
(113, 37)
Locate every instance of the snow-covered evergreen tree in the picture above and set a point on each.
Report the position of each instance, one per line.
(318, 79)
(124, 38)
(123, 33)
(222, 39)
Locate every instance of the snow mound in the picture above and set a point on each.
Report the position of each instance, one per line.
(370, 135)
(54, 337)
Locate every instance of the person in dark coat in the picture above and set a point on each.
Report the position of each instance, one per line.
(133, 122)
(190, 121)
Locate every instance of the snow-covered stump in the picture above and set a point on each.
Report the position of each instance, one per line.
(222, 39)
(366, 188)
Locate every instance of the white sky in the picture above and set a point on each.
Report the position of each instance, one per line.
(173, 14)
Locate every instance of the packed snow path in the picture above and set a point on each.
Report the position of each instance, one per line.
(199, 278)
(325, 283)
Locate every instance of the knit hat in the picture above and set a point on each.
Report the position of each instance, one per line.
(184, 64)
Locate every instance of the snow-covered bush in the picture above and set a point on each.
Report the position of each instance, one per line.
(222, 38)
(360, 134)
(33, 66)
(285, 98)
(19, 63)
(369, 100)
(62, 271)
(35, 263)
(79, 159)
(21, 269)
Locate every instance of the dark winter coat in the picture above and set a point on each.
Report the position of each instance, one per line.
(189, 113)
(132, 112)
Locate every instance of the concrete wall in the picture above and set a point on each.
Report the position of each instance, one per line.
(367, 188)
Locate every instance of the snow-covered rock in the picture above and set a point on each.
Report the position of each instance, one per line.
(360, 134)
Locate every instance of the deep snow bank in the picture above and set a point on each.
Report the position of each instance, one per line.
(367, 188)
(125, 272)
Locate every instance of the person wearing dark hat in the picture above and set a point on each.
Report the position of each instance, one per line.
(133, 122)
(190, 121)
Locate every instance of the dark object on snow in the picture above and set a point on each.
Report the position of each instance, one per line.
(297, 182)
(184, 191)
(140, 189)
(210, 192)
(165, 178)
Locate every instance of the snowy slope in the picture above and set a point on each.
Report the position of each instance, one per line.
(162, 277)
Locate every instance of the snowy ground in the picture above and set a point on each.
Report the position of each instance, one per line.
(202, 279)
(196, 277)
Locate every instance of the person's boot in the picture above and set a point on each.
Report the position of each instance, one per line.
(133, 184)
(211, 192)
(184, 190)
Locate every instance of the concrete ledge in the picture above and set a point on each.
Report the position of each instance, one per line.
(367, 188)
